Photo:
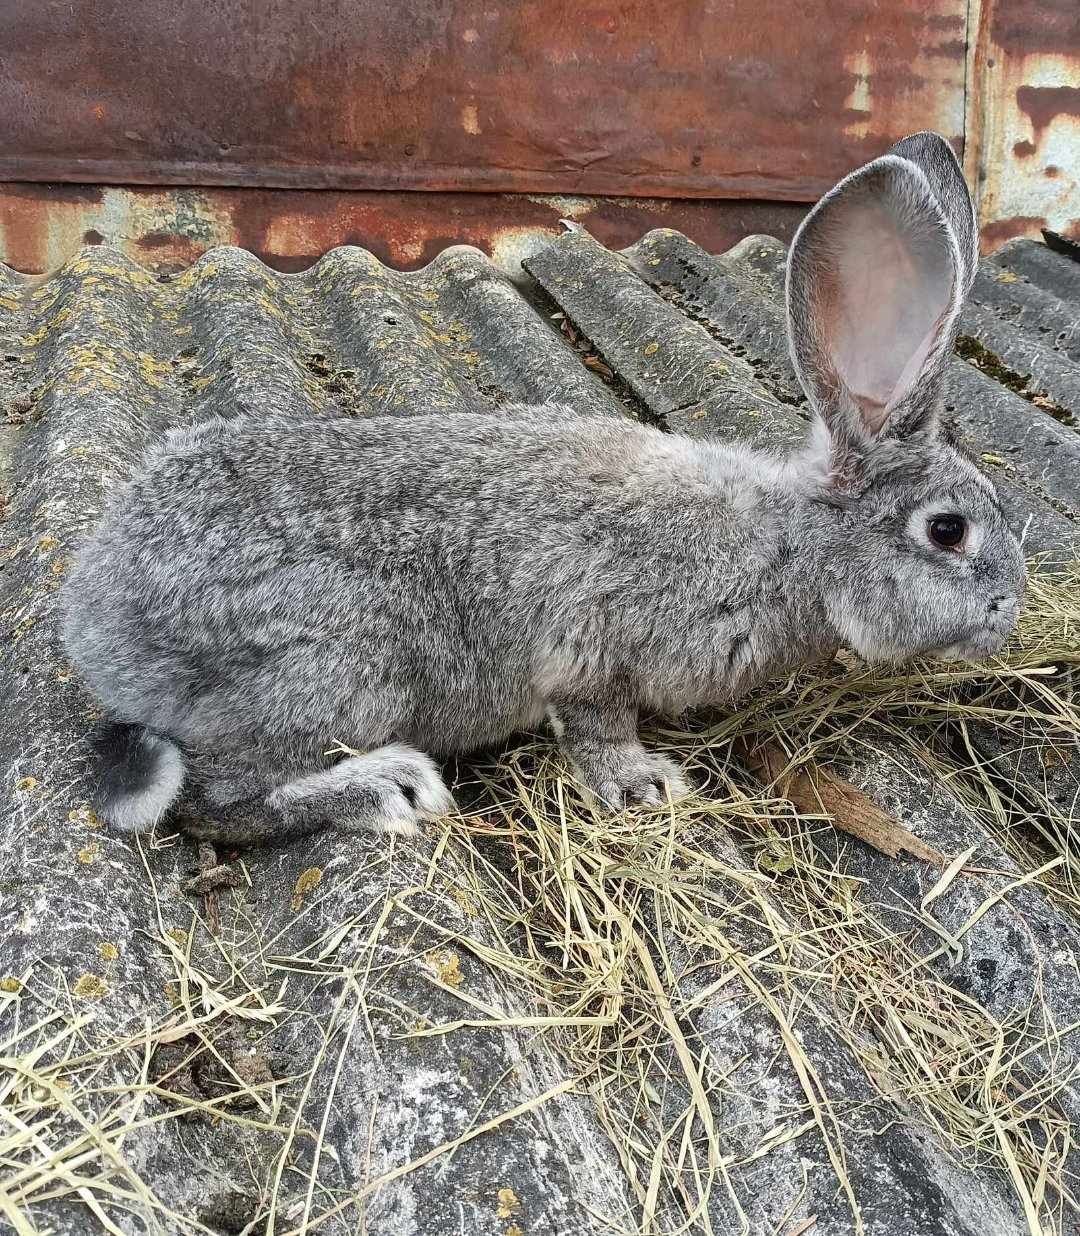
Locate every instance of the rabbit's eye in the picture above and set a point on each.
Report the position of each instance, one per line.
(947, 531)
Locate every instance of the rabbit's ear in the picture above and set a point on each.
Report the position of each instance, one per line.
(874, 286)
(935, 158)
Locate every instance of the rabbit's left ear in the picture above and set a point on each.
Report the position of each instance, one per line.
(876, 277)
(935, 158)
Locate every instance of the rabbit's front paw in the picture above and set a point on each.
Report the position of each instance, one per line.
(627, 776)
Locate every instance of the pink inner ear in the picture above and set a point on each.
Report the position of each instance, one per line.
(891, 290)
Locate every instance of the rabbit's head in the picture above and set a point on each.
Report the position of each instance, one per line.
(918, 556)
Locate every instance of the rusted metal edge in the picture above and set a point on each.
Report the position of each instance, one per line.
(166, 229)
(739, 185)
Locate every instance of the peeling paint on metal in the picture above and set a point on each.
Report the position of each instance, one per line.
(1023, 121)
(167, 229)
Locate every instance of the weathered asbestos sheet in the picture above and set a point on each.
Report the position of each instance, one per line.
(258, 1056)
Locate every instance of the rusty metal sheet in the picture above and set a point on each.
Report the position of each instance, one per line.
(1023, 123)
(731, 98)
(41, 226)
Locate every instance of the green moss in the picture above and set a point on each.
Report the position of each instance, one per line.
(971, 350)
(968, 347)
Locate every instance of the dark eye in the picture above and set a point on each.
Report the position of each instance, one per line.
(947, 531)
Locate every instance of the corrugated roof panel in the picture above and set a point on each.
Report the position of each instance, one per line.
(695, 291)
(1042, 267)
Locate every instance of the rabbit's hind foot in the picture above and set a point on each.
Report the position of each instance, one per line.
(389, 790)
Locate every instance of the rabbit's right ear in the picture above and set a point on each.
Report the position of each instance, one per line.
(876, 277)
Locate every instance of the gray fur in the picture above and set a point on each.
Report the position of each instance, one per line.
(391, 788)
(268, 587)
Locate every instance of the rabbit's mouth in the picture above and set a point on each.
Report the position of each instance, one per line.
(972, 637)
(991, 640)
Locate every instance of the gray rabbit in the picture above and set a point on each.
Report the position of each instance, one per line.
(266, 587)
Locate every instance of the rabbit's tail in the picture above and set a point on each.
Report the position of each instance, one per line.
(138, 775)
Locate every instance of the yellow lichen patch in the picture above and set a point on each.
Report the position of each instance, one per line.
(47, 291)
(178, 935)
(89, 854)
(172, 994)
(194, 274)
(94, 262)
(651, 349)
(25, 785)
(47, 544)
(83, 816)
(363, 289)
(21, 628)
(90, 987)
(152, 370)
(10, 985)
(468, 906)
(1007, 276)
(93, 365)
(108, 951)
(271, 308)
(306, 882)
(509, 1204)
(514, 1230)
(38, 336)
(447, 966)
